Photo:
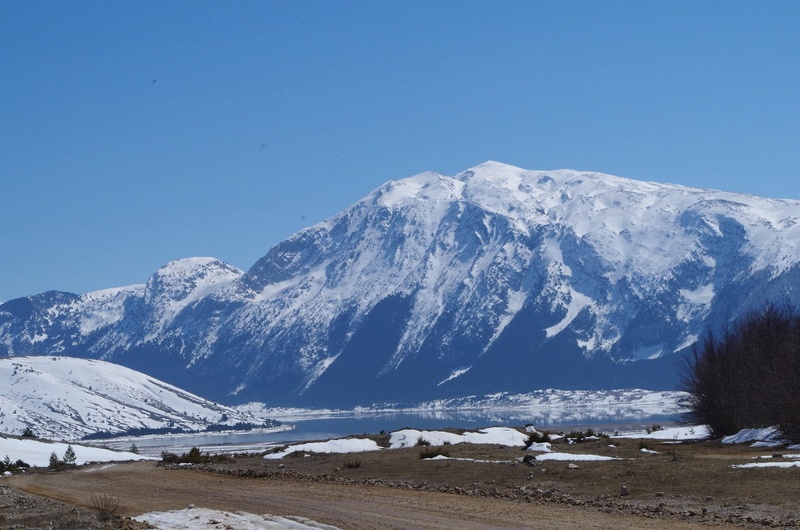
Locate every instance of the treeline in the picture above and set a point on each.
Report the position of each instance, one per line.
(135, 431)
(141, 431)
(748, 375)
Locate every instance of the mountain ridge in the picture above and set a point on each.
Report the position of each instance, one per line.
(496, 279)
(70, 398)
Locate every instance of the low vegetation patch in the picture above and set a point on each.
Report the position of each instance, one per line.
(141, 431)
(433, 452)
(7, 465)
(105, 505)
(537, 437)
(582, 436)
(28, 433)
(194, 456)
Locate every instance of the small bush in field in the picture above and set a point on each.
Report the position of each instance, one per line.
(28, 433)
(169, 458)
(537, 437)
(352, 464)
(433, 452)
(422, 442)
(105, 505)
(578, 436)
(7, 465)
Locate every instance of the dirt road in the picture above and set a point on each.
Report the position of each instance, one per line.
(144, 487)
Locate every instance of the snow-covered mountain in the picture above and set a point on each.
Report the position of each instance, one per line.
(496, 279)
(68, 398)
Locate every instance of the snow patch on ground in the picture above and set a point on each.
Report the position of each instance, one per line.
(346, 445)
(777, 463)
(37, 453)
(683, 433)
(202, 518)
(442, 457)
(571, 457)
(543, 447)
(492, 435)
(765, 437)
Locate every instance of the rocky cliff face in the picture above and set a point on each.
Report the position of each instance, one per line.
(432, 286)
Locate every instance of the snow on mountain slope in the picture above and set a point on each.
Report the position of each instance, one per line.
(495, 279)
(469, 253)
(114, 318)
(99, 309)
(68, 398)
(180, 283)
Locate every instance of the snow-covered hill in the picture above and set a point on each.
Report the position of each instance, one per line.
(67, 398)
(495, 279)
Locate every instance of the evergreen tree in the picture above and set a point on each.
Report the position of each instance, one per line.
(69, 456)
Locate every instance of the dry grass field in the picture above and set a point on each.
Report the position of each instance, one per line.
(688, 477)
(690, 485)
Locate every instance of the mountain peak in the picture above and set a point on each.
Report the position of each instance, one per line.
(491, 167)
(495, 279)
(185, 277)
(180, 282)
(426, 186)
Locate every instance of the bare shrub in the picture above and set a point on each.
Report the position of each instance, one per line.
(105, 505)
(537, 437)
(432, 452)
(748, 375)
(576, 436)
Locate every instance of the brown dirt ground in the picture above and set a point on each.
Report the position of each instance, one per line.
(692, 486)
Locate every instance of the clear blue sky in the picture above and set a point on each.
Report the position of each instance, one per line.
(134, 133)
